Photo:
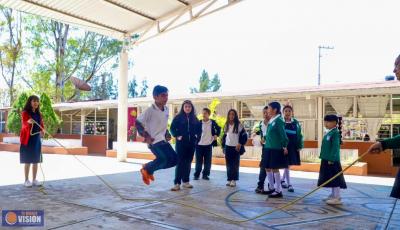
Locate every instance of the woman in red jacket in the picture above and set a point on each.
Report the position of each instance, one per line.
(31, 145)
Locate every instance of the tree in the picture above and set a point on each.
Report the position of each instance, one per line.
(50, 118)
(207, 85)
(75, 53)
(102, 87)
(10, 48)
(133, 89)
(14, 117)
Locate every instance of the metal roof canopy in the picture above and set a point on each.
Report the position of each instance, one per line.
(122, 19)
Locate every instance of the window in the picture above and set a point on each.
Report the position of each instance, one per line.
(96, 122)
(3, 124)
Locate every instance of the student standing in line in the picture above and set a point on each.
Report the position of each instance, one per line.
(276, 143)
(330, 159)
(152, 124)
(210, 131)
(185, 128)
(293, 132)
(262, 131)
(233, 142)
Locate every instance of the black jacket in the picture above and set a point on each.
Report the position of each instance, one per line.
(185, 127)
(215, 130)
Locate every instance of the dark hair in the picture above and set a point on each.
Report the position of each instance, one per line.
(287, 107)
(266, 107)
(191, 115)
(236, 122)
(28, 104)
(338, 120)
(275, 105)
(159, 89)
(207, 110)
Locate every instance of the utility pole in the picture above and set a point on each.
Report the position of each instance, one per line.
(319, 60)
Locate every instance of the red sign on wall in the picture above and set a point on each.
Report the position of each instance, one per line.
(132, 131)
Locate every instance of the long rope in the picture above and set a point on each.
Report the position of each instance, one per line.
(228, 219)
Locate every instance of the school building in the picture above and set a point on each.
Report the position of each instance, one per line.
(370, 111)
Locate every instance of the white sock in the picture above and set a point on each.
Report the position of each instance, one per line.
(270, 176)
(286, 175)
(336, 192)
(278, 186)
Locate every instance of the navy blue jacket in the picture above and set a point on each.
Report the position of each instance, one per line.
(188, 129)
(215, 130)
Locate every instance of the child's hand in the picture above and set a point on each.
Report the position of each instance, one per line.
(238, 146)
(30, 121)
(215, 137)
(376, 148)
(285, 151)
(168, 138)
(179, 138)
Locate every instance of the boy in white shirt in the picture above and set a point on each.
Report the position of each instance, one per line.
(152, 125)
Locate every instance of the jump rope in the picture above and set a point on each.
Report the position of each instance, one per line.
(217, 215)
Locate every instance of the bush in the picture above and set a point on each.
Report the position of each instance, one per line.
(14, 117)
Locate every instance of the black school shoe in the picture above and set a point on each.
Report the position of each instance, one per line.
(195, 178)
(206, 178)
(276, 195)
(259, 190)
(290, 188)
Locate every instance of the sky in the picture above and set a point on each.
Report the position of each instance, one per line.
(260, 44)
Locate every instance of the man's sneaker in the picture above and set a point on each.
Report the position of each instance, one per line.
(276, 195)
(233, 183)
(334, 201)
(330, 197)
(28, 184)
(268, 192)
(228, 183)
(37, 183)
(187, 185)
(290, 188)
(284, 184)
(177, 187)
(145, 176)
(206, 178)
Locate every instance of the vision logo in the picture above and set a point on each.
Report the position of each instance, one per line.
(11, 218)
(25, 218)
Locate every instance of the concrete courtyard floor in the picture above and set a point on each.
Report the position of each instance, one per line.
(77, 199)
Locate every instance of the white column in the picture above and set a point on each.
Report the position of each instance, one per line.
(320, 123)
(122, 106)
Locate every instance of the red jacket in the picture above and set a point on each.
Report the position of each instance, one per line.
(26, 127)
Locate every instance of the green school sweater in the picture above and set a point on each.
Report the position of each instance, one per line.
(300, 142)
(275, 137)
(391, 143)
(330, 149)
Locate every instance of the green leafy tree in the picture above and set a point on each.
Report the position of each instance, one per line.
(132, 88)
(14, 116)
(207, 85)
(10, 49)
(145, 87)
(50, 119)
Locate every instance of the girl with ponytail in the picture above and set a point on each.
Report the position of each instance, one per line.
(330, 159)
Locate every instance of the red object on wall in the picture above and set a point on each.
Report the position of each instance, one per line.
(132, 115)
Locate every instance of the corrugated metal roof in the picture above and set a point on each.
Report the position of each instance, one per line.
(115, 18)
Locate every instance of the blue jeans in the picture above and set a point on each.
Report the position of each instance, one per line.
(396, 187)
(165, 157)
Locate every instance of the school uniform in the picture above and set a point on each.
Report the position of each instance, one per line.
(262, 130)
(204, 146)
(293, 132)
(275, 141)
(393, 143)
(330, 160)
(232, 157)
(31, 145)
(188, 129)
(155, 123)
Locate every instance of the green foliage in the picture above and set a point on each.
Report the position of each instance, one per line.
(14, 116)
(50, 118)
(135, 91)
(207, 85)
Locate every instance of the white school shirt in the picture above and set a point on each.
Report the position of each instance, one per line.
(264, 128)
(206, 134)
(232, 139)
(155, 122)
